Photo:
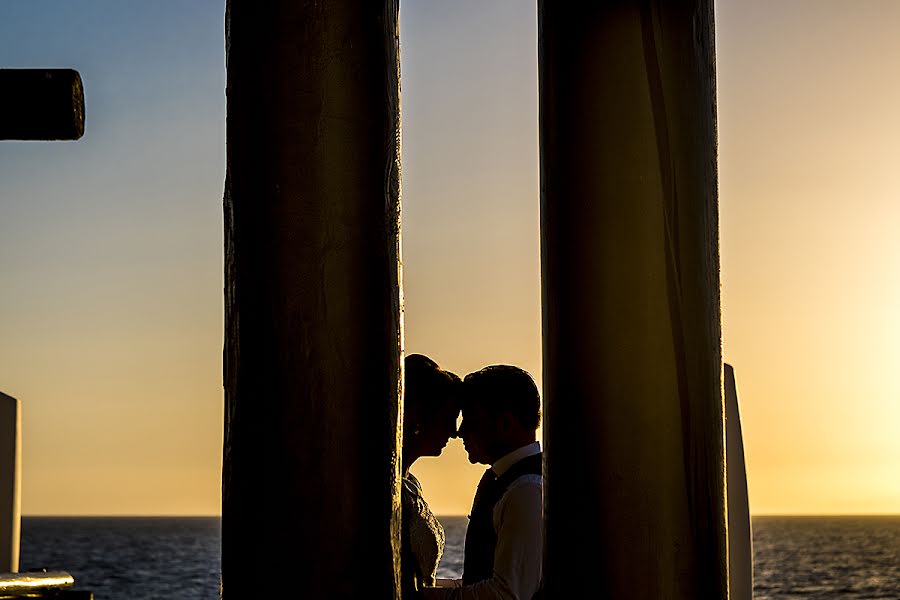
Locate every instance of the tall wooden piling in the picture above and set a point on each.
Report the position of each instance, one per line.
(312, 306)
(634, 499)
(10, 482)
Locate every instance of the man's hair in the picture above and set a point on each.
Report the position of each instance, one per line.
(504, 388)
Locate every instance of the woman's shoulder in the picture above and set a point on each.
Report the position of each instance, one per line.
(423, 534)
(412, 486)
(416, 506)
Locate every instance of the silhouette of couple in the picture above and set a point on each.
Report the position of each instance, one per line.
(501, 410)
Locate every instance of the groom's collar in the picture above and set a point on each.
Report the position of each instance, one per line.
(502, 465)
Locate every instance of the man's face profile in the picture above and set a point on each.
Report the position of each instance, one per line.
(477, 432)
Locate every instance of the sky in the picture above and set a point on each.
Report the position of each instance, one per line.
(111, 247)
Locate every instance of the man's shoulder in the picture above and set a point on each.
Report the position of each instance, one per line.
(526, 473)
(520, 511)
(527, 480)
(524, 495)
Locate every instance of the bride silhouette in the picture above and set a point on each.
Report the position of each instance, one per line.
(431, 407)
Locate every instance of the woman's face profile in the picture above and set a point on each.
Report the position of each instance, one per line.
(440, 429)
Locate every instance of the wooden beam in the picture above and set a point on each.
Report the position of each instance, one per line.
(312, 300)
(34, 583)
(41, 104)
(634, 496)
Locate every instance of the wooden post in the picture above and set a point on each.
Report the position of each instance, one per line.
(634, 499)
(10, 483)
(41, 104)
(312, 300)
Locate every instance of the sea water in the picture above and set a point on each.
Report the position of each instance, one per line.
(809, 558)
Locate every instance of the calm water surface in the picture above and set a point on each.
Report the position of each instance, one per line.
(808, 558)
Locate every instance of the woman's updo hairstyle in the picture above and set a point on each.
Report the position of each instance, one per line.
(427, 389)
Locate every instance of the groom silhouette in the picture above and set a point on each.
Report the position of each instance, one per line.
(501, 410)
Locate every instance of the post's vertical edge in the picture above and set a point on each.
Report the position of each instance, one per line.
(10, 482)
(17, 494)
(395, 309)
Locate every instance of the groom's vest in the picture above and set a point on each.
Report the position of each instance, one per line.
(481, 539)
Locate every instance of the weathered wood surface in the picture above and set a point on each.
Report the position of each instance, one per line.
(634, 499)
(312, 300)
(17, 585)
(41, 104)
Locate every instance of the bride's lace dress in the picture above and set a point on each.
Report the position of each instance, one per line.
(422, 537)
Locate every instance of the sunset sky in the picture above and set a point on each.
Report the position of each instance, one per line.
(111, 247)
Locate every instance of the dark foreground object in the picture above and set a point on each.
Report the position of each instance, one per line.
(634, 459)
(312, 300)
(40, 584)
(41, 104)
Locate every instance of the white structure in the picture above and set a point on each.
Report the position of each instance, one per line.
(740, 538)
(10, 482)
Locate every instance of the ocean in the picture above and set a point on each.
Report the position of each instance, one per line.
(125, 558)
(808, 558)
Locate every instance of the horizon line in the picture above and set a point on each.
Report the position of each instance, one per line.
(219, 515)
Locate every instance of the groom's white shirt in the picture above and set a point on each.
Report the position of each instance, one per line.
(519, 524)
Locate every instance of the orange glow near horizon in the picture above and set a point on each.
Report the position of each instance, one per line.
(808, 134)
